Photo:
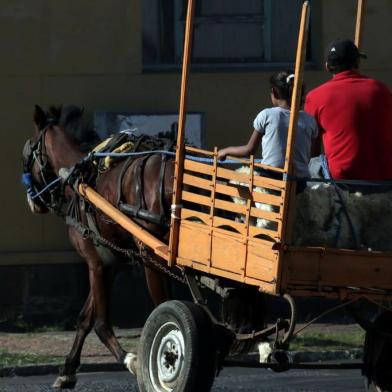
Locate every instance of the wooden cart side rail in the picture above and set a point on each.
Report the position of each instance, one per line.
(337, 251)
(300, 291)
(197, 167)
(220, 204)
(271, 216)
(228, 174)
(198, 182)
(244, 161)
(269, 168)
(232, 190)
(272, 235)
(268, 287)
(267, 198)
(187, 214)
(126, 223)
(196, 150)
(323, 268)
(245, 178)
(230, 206)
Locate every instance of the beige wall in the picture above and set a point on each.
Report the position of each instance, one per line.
(89, 53)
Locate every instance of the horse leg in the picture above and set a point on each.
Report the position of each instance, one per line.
(102, 288)
(67, 378)
(158, 286)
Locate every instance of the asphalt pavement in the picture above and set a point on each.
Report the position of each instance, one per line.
(233, 379)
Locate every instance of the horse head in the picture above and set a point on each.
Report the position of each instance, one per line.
(38, 172)
(58, 138)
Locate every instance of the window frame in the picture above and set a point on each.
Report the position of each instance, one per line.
(311, 63)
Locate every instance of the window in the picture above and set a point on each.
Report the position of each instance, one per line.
(226, 32)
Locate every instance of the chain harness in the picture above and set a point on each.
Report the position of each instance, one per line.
(141, 255)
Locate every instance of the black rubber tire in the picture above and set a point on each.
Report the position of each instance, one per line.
(378, 355)
(199, 365)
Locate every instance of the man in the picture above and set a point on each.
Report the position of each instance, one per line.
(354, 114)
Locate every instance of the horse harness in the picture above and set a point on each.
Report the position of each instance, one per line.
(103, 245)
(138, 210)
(88, 172)
(35, 152)
(141, 143)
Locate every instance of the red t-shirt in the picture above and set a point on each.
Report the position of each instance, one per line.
(354, 114)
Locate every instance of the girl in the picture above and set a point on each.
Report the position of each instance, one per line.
(271, 127)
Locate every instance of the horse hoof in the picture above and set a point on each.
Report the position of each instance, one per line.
(65, 382)
(265, 350)
(130, 361)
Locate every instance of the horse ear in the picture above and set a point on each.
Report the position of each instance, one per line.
(39, 117)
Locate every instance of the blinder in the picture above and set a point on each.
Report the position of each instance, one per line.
(35, 187)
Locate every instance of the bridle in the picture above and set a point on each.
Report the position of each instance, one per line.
(48, 192)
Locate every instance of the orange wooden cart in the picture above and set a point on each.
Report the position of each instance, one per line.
(207, 241)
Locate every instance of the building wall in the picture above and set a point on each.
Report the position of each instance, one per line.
(89, 53)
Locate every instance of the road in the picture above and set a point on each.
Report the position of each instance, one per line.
(244, 380)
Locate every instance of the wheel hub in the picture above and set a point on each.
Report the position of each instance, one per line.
(170, 356)
(167, 357)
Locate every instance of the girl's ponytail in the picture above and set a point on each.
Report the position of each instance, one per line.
(283, 84)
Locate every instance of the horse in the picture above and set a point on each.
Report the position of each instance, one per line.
(54, 147)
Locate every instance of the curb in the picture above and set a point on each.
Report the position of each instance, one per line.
(320, 356)
(312, 356)
(46, 369)
(297, 356)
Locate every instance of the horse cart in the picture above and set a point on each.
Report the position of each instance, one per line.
(183, 345)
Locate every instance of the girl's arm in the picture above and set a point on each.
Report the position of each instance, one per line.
(242, 151)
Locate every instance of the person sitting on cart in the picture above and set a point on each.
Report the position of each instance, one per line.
(271, 129)
(354, 115)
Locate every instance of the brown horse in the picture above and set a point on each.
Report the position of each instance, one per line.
(54, 147)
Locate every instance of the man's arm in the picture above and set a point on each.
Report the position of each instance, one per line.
(311, 109)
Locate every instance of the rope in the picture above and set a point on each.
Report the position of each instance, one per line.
(210, 160)
(332, 181)
(170, 153)
(130, 154)
(324, 314)
(324, 165)
(30, 190)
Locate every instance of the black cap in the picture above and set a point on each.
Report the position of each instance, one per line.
(343, 52)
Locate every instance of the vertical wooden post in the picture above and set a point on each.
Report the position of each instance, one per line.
(180, 151)
(248, 211)
(289, 190)
(212, 204)
(359, 23)
(297, 89)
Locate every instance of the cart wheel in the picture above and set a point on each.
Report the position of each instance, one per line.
(176, 350)
(378, 354)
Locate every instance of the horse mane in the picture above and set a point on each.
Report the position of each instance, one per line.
(76, 124)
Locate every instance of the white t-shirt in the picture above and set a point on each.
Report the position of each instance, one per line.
(273, 123)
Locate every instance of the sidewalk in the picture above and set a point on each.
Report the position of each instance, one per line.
(50, 348)
(44, 352)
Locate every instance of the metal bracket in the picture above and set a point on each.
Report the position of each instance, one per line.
(195, 290)
(198, 296)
